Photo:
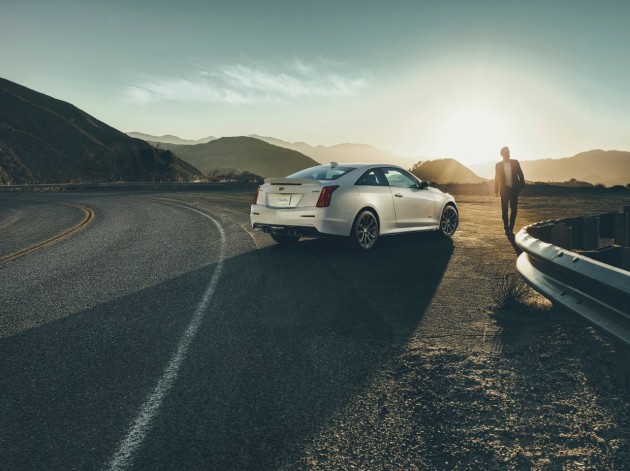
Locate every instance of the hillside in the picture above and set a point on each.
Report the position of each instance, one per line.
(243, 154)
(46, 140)
(445, 171)
(350, 153)
(169, 139)
(12, 170)
(610, 167)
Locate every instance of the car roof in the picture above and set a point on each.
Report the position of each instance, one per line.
(361, 168)
(357, 169)
(361, 165)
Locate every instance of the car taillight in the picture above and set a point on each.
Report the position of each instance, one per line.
(255, 200)
(325, 195)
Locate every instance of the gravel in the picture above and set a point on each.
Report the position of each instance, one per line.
(539, 394)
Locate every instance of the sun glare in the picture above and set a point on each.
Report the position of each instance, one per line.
(471, 135)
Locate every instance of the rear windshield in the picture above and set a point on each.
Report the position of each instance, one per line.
(325, 172)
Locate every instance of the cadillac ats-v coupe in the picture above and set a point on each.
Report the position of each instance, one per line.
(360, 201)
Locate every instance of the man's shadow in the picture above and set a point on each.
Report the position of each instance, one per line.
(512, 239)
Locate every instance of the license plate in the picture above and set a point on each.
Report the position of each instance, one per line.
(283, 200)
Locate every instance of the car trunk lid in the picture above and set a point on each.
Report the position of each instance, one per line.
(289, 192)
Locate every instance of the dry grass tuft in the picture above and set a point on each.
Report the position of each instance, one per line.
(510, 292)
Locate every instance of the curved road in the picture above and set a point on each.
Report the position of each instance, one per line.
(167, 335)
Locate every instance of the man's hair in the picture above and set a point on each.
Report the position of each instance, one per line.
(504, 150)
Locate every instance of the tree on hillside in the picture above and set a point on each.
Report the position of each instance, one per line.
(227, 175)
(416, 166)
(249, 177)
(212, 174)
(231, 175)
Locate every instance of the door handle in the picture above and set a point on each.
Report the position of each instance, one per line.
(398, 195)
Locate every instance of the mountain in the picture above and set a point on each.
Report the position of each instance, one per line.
(610, 167)
(595, 166)
(445, 171)
(169, 139)
(46, 140)
(348, 153)
(243, 154)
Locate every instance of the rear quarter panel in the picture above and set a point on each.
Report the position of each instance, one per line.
(380, 199)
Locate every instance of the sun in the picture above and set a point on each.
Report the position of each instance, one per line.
(471, 135)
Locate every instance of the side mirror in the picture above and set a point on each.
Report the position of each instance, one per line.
(424, 185)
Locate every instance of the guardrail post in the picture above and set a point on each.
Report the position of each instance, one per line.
(577, 231)
(622, 364)
(621, 229)
(561, 236)
(607, 225)
(590, 233)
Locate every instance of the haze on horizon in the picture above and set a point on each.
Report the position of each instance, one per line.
(451, 79)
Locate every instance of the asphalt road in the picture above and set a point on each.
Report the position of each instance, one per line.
(167, 335)
(21, 221)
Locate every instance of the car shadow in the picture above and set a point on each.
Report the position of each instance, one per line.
(291, 336)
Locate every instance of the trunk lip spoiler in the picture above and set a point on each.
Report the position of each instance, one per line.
(292, 181)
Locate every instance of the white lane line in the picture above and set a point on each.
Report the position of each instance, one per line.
(123, 458)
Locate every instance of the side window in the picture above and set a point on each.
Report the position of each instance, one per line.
(372, 177)
(335, 173)
(399, 179)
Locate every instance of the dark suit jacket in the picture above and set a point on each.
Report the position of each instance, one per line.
(518, 180)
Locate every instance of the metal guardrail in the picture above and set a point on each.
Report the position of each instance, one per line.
(598, 292)
(159, 186)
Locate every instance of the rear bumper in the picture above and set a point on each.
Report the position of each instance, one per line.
(288, 230)
(310, 222)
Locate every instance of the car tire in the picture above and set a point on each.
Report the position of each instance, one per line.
(284, 239)
(365, 230)
(449, 221)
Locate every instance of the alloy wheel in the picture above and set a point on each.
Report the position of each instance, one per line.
(367, 230)
(449, 221)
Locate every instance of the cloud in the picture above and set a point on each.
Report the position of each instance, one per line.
(249, 83)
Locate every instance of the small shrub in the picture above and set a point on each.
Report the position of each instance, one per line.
(510, 291)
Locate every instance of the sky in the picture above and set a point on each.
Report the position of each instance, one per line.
(431, 79)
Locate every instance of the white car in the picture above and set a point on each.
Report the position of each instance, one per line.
(360, 201)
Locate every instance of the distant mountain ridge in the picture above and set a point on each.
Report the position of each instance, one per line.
(348, 153)
(170, 139)
(243, 154)
(609, 167)
(596, 166)
(43, 139)
(445, 171)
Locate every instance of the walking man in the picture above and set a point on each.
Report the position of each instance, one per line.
(508, 183)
